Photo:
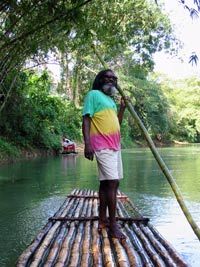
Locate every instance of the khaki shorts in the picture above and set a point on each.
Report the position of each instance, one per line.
(109, 164)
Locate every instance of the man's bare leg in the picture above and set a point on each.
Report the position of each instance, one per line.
(102, 205)
(112, 202)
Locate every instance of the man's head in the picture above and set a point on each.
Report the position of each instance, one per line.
(106, 81)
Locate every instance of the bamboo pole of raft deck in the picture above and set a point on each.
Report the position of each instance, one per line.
(143, 260)
(168, 246)
(59, 261)
(121, 254)
(64, 256)
(87, 238)
(74, 259)
(161, 250)
(55, 247)
(107, 253)
(136, 260)
(133, 256)
(138, 247)
(157, 156)
(65, 247)
(122, 259)
(125, 253)
(159, 247)
(157, 261)
(96, 252)
(46, 243)
(54, 250)
(106, 249)
(75, 253)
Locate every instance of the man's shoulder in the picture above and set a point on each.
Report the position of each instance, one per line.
(94, 93)
(95, 96)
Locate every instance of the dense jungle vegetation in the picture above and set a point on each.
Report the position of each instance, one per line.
(35, 112)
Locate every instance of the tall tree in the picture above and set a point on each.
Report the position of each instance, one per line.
(33, 28)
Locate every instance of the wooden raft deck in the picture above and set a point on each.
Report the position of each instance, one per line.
(71, 238)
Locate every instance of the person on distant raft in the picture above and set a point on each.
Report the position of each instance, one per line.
(101, 132)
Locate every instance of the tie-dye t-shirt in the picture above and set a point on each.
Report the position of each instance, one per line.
(105, 128)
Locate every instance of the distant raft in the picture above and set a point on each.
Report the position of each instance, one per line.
(71, 238)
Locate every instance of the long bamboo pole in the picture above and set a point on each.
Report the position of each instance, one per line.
(163, 166)
(156, 154)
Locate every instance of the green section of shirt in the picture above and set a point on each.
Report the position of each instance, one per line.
(96, 101)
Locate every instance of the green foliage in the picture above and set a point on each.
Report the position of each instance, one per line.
(34, 117)
(124, 32)
(126, 139)
(184, 99)
(72, 122)
(7, 149)
(149, 102)
(31, 30)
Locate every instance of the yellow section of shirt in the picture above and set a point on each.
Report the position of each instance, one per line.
(105, 122)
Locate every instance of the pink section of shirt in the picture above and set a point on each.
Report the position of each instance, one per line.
(111, 141)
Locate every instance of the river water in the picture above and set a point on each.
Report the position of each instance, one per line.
(32, 191)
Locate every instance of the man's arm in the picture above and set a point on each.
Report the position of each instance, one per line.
(121, 111)
(88, 151)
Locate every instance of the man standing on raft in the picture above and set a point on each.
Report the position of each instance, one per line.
(101, 131)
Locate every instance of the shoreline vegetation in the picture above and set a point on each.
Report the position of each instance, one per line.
(34, 120)
(32, 153)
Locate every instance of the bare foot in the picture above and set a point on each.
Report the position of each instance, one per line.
(115, 232)
(102, 224)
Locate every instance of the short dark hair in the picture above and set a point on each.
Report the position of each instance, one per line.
(97, 84)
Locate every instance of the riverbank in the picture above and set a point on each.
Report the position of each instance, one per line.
(31, 153)
(26, 154)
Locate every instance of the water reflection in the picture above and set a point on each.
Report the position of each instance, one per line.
(32, 191)
(68, 161)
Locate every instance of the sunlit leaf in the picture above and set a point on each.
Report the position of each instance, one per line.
(187, 7)
(197, 3)
(193, 59)
(194, 13)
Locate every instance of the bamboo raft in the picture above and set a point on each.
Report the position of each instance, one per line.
(71, 238)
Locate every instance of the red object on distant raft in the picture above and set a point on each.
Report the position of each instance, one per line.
(68, 146)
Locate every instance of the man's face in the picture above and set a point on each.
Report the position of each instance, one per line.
(109, 83)
(109, 78)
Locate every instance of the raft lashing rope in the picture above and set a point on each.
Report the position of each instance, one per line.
(71, 238)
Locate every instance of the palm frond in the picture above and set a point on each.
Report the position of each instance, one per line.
(197, 3)
(194, 13)
(193, 59)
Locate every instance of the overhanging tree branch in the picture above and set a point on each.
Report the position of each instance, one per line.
(39, 27)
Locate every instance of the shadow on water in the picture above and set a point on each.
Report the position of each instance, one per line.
(32, 191)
